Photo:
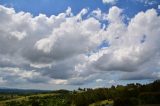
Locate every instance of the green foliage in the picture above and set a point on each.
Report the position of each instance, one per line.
(149, 98)
(90, 96)
(55, 100)
(125, 102)
(129, 95)
(134, 94)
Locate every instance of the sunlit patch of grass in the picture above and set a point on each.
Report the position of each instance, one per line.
(21, 98)
(101, 103)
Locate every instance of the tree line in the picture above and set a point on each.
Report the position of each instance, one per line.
(130, 95)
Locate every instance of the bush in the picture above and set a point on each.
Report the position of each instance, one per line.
(125, 102)
(149, 98)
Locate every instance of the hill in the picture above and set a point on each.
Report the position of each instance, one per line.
(129, 95)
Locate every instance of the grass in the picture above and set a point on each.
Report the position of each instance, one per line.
(20, 98)
(104, 102)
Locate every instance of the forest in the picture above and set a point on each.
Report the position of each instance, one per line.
(134, 94)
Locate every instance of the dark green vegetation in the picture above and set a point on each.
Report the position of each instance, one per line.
(129, 95)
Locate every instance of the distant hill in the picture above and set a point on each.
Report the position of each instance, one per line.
(21, 91)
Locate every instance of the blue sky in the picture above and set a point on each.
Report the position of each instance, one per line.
(49, 51)
(50, 7)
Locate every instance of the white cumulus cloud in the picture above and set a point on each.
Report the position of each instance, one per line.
(65, 48)
(109, 1)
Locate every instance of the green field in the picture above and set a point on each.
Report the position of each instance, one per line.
(25, 98)
(104, 102)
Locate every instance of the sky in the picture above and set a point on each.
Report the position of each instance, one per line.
(67, 44)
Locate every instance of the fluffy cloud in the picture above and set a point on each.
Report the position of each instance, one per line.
(13, 76)
(71, 38)
(109, 1)
(51, 45)
(68, 49)
(127, 52)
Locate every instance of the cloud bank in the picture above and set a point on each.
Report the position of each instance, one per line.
(69, 50)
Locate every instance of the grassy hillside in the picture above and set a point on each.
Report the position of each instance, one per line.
(129, 95)
(25, 98)
(102, 103)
